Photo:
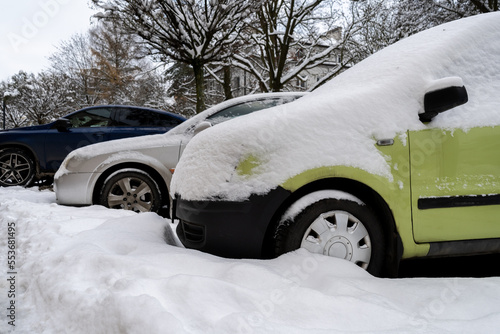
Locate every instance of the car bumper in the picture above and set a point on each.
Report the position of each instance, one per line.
(229, 229)
(73, 189)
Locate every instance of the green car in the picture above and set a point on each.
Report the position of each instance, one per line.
(398, 157)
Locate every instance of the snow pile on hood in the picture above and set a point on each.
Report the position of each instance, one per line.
(98, 270)
(339, 123)
(126, 144)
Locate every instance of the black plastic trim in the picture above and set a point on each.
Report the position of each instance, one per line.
(228, 228)
(457, 201)
(464, 247)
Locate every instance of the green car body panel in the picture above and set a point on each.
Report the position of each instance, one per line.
(431, 164)
(460, 172)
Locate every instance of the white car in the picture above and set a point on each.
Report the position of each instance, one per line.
(135, 173)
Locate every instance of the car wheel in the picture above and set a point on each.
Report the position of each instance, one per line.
(16, 168)
(131, 190)
(335, 227)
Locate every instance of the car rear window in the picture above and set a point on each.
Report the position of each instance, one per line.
(133, 117)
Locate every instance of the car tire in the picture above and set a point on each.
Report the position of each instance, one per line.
(132, 190)
(16, 168)
(336, 227)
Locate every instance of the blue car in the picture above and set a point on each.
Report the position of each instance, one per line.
(31, 153)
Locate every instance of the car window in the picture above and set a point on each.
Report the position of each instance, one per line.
(133, 117)
(166, 121)
(90, 118)
(247, 107)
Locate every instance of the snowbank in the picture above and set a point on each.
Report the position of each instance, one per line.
(97, 270)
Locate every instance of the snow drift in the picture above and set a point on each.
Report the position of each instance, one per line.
(97, 270)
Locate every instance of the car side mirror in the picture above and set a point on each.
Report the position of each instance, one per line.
(62, 124)
(202, 126)
(442, 95)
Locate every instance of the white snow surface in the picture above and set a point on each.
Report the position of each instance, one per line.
(298, 206)
(97, 270)
(339, 123)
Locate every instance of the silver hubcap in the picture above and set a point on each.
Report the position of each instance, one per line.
(14, 169)
(339, 234)
(131, 194)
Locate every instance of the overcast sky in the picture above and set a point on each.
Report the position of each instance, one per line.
(30, 30)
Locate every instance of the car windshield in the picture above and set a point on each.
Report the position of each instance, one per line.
(247, 108)
(227, 110)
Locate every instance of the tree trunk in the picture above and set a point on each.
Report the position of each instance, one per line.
(200, 87)
(277, 86)
(228, 93)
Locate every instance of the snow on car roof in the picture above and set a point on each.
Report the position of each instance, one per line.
(379, 98)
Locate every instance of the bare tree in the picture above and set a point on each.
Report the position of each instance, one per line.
(47, 97)
(121, 64)
(412, 16)
(37, 99)
(485, 6)
(74, 58)
(371, 25)
(288, 37)
(12, 117)
(379, 23)
(193, 32)
(109, 66)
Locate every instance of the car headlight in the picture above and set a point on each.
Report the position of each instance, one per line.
(68, 165)
(248, 166)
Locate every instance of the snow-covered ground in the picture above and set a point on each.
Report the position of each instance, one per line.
(96, 270)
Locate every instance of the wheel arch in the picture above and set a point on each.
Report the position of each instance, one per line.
(365, 193)
(157, 177)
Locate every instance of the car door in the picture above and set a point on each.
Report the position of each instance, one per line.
(88, 126)
(455, 183)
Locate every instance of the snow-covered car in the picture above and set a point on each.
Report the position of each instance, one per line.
(135, 174)
(397, 157)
